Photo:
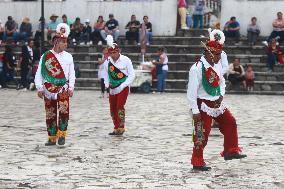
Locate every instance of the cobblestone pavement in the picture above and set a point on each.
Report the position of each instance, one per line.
(154, 153)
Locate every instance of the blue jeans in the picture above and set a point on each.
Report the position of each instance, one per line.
(15, 36)
(197, 20)
(161, 85)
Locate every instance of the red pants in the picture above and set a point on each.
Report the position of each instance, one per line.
(227, 126)
(117, 110)
(57, 125)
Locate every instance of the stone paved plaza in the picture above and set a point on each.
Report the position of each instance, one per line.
(154, 153)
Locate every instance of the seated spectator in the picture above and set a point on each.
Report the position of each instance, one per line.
(232, 29)
(249, 78)
(38, 31)
(253, 31)
(133, 29)
(182, 13)
(87, 31)
(111, 28)
(236, 74)
(1, 31)
(76, 30)
(25, 29)
(198, 13)
(274, 55)
(10, 29)
(278, 28)
(51, 26)
(98, 27)
(148, 30)
(66, 21)
(10, 63)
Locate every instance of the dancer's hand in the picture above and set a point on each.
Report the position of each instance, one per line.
(196, 118)
(70, 92)
(40, 94)
(218, 102)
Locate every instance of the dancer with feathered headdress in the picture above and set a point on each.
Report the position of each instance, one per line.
(119, 74)
(206, 88)
(55, 79)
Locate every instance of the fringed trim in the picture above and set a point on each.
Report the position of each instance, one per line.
(197, 161)
(61, 133)
(232, 151)
(213, 112)
(52, 138)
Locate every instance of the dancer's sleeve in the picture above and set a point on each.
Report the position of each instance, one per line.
(38, 77)
(222, 85)
(105, 74)
(192, 88)
(71, 76)
(131, 73)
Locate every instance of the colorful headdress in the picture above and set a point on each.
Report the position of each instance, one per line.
(216, 40)
(112, 47)
(62, 32)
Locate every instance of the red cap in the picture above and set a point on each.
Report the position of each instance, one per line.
(214, 46)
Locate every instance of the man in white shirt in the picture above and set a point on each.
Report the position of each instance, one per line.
(206, 88)
(118, 77)
(54, 80)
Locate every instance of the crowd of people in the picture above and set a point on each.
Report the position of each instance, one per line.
(82, 32)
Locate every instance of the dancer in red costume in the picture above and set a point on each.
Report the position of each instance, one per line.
(55, 79)
(206, 88)
(118, 77)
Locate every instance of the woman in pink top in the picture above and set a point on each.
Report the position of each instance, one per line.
(98, 26)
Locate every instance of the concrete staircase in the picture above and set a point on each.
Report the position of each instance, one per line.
(181, 50)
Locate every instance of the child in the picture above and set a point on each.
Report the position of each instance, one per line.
(249, 75)
(274, 54)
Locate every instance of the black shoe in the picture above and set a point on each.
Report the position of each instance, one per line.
(201, 168)
(61, 141)
(113, 133)
(50, 143)
(234, 156)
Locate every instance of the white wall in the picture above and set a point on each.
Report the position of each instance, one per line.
(162, 14)
(264, 10)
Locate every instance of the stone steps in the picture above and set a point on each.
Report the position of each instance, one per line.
(180, 74)
(172, 57)
(180, 84)
(258, 67)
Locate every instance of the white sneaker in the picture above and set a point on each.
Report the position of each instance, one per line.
(147, 44)
(74, 41)
(100, 43)
(185, 28)
(265, 43)
(138, 44)
(91, 42)
(82, 43)
(32, 85)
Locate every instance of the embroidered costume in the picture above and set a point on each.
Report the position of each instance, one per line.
(205, 87)
(118, 77)
(54, 77)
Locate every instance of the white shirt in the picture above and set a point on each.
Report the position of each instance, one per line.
(195, 89)
(30, 52)
(66, 61)
(124, 64)
(165, 63)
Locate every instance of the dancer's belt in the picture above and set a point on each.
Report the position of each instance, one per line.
(210, 107)
(51, 91)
